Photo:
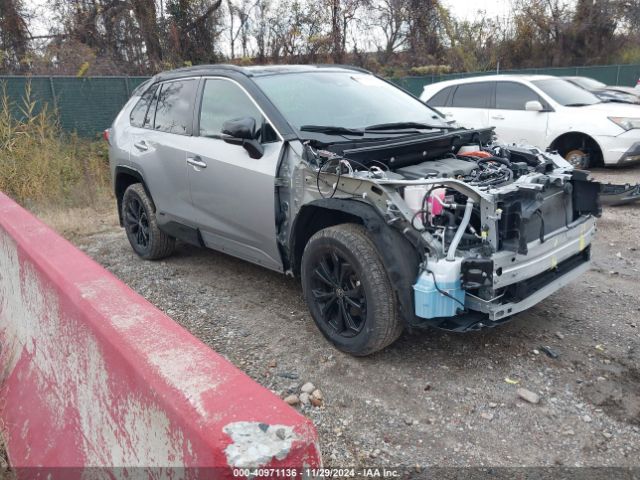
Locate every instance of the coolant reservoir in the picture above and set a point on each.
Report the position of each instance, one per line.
(431, 303)
(435, 207)
(413, 196)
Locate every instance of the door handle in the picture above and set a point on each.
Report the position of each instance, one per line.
(498, 117)
(196, 162)
(141, 145)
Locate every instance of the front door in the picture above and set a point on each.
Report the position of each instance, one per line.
(233, 194)
(513, 123)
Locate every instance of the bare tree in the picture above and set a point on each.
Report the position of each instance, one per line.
(146, 16)
(14, 35)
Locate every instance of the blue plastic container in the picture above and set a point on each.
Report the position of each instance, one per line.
(430, 303)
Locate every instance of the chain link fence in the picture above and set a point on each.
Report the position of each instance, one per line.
(89, 105)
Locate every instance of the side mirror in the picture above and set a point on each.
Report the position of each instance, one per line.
(242, 131)
(533, 106)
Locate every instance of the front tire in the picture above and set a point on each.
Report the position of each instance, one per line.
(348, 291)
(578, 159)
(139, 219)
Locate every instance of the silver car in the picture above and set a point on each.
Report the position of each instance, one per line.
(390, 215)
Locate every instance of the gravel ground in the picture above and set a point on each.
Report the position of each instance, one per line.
(432, 398)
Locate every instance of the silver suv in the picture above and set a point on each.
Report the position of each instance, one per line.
(389, 215)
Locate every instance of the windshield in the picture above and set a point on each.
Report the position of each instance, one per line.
(566, 93)
(588, 83)
(344, 100)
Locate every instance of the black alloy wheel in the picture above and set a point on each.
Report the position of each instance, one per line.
(338, 290)
(136, 222)
(139, 220)
(348, 291)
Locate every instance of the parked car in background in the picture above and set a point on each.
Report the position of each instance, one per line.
(544, 111)
(606, 93)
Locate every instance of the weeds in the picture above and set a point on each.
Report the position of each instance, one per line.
(42, 167)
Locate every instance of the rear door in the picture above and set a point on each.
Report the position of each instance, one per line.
(468, 104)
(441, 99)
(234, 195)
(159, 148)
(515, 124)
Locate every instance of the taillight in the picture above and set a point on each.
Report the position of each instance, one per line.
(105, 135)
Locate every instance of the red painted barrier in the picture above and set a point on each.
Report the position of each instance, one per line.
(92, 375)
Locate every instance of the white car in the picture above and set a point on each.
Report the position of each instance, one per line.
(544, 111)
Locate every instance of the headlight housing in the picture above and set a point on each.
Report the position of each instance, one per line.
(627, 123)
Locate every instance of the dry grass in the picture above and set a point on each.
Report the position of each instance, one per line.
(61, 178)
(76, 222)
(42, 166)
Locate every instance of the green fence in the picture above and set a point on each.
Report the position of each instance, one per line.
(84, 105)
(89, 105)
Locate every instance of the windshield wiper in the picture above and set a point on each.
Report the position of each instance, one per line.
(577, 104)
(401, 126)
(332, 130)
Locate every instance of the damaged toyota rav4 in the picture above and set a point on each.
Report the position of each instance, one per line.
(391, 217)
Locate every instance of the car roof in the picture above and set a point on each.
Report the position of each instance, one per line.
(490, 78)
(251, 71)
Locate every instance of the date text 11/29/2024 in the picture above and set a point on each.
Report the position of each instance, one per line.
(316, 472)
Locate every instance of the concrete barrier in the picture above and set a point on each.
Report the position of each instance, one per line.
(93, 375)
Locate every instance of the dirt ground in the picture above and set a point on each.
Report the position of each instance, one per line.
(432, 398)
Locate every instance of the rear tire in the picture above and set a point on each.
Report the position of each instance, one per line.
(139, 219)
(348, 291)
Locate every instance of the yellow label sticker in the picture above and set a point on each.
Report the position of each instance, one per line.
(554, 262)
(582, 243)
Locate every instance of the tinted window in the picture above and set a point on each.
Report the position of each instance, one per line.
(513, 96)
(174, 110)
(440, 98)
(223, 100)
(139, 112)
(566, 93)
(473, 95)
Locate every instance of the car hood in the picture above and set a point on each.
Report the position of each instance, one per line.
(611, 109)
(630, 90)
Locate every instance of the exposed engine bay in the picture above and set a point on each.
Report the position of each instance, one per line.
(497, 228)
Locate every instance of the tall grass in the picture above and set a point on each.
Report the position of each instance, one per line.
(41, 166)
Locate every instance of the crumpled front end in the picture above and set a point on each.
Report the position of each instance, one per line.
(497, 229)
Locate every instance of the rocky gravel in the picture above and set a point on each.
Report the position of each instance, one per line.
(559, 385)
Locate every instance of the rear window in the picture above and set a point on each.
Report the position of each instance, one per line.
(473, 95)
(139, 112)
(440, 98)
(174, 111)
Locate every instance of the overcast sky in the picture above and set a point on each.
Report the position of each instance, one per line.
(467, 9)
(462, 9)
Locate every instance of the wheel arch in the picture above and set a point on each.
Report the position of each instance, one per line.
(576, 139)
(399, 257)
(125, 177)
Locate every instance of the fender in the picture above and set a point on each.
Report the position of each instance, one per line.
(399, 257)
(119, 188)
